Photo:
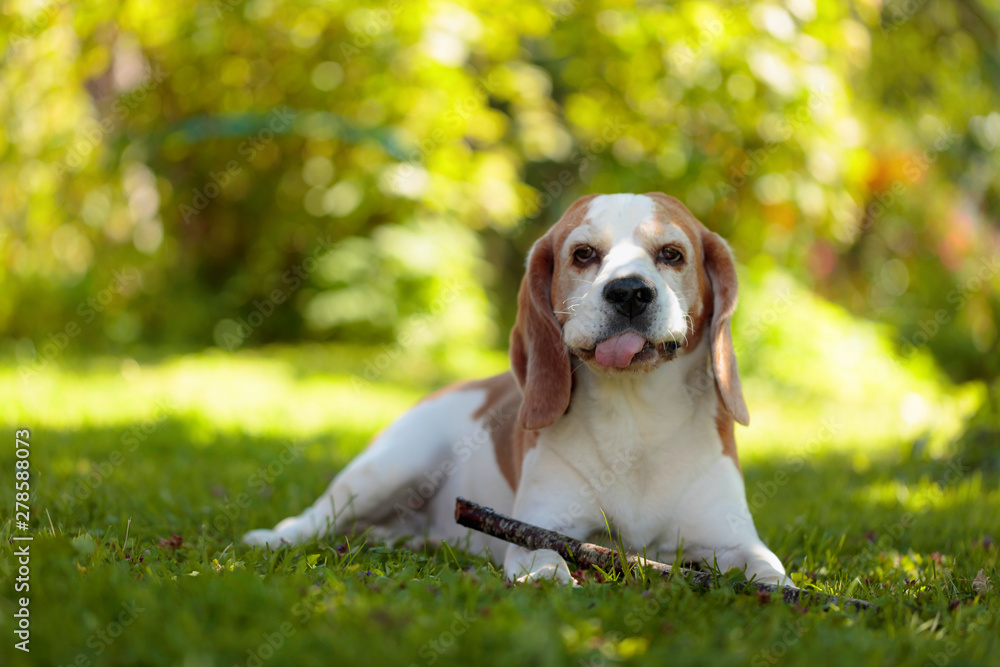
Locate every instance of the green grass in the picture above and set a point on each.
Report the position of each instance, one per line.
(877, 506)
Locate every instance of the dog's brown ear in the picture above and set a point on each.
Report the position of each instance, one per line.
(721, 270)
(538, 356)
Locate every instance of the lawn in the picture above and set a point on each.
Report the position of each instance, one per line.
(146, 472)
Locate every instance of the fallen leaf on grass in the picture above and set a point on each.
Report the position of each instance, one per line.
(172, 543)
(982, 584)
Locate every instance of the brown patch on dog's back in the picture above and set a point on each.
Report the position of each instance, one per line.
(499, 417)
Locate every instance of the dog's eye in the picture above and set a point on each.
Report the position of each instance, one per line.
(670, 255)
(584, 255)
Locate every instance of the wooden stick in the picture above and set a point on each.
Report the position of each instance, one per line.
(584, 554)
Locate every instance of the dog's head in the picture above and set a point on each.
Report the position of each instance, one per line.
(625, 283)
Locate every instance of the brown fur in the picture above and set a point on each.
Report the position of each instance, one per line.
(718, 288)
(672, 211)
(538, 358)
(499, 412)
(538, 390)
(722, 274)
(726, 427)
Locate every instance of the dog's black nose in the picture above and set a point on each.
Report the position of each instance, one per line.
(630, 295)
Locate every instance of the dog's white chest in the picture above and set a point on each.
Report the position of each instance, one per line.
(637, 464)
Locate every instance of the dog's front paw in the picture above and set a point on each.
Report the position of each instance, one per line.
(764, 572)
(762, 566)
(264, 537)
(558, 574)
(777, 579)
(523, 566)
(293, 530)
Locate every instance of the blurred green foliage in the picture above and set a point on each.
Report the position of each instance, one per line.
(353, 171)
(232, 173)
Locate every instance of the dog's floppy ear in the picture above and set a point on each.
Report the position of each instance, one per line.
(721, 270)
(538, 356)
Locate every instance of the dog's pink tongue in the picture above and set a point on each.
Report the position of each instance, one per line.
(619, 350)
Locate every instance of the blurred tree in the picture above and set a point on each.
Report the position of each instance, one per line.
(298, 170)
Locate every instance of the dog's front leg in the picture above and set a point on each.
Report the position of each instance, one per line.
(551, 495)
(717, 528)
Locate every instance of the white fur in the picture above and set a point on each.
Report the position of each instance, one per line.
(405, 483)
(613, 225)
(643, 448)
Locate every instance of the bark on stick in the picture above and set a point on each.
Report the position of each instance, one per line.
(587, 555)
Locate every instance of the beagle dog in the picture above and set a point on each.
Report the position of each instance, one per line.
(620, 403)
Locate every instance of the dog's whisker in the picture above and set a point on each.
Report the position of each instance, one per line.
(689, 326)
